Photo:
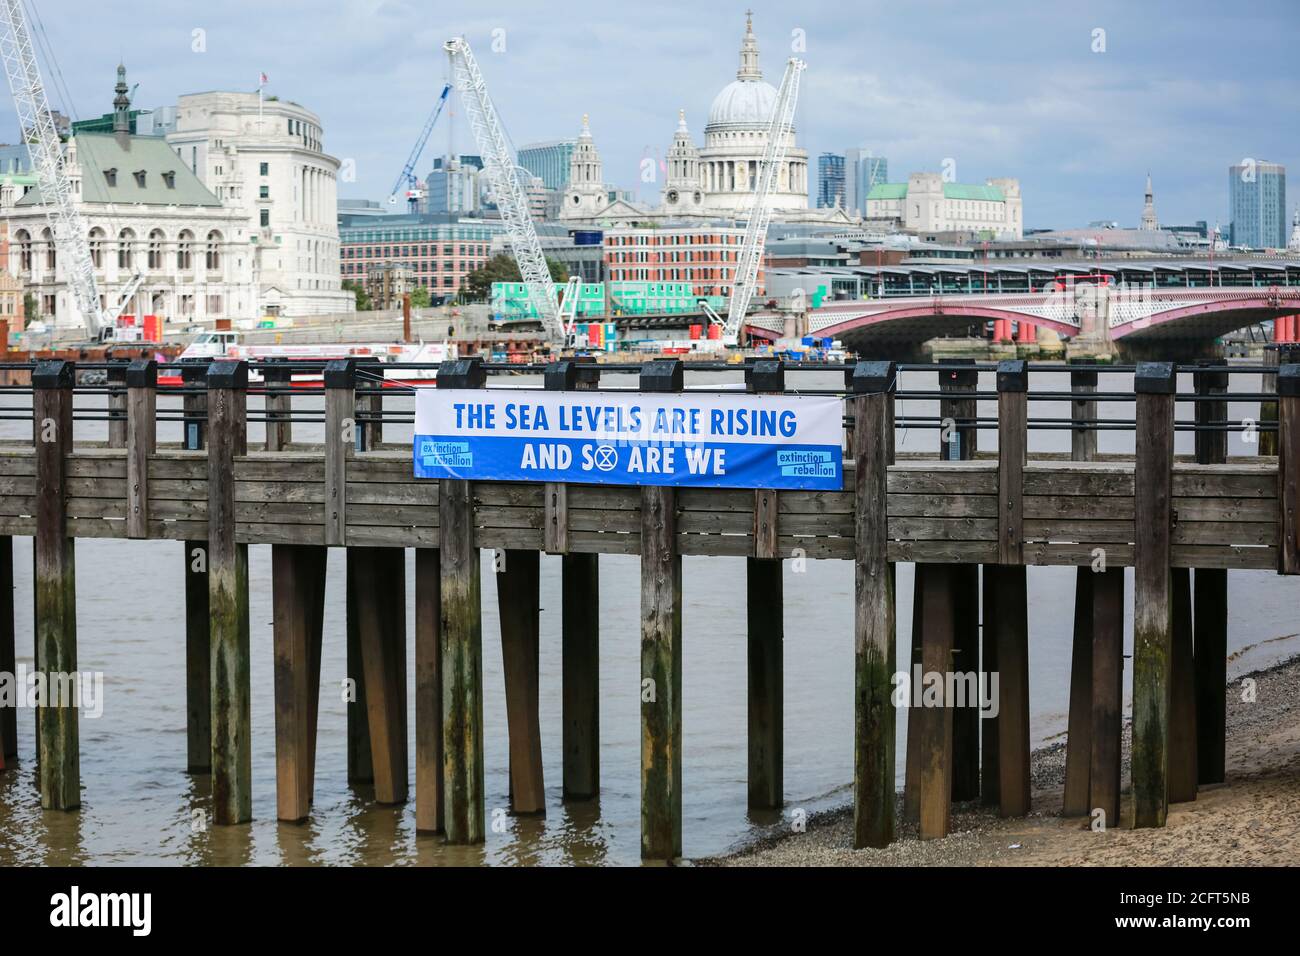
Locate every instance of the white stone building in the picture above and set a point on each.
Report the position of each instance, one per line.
(928, 204)
(266, 159)
(146, 215)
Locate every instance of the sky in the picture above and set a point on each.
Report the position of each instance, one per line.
(1078, 100)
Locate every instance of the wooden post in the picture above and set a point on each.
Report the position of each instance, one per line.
(370, 406)
(1107, 693)
(340, 441)
(1182, 692)
(58, 749)
(298, 601)
(462, 641)
(378, 594)
(1011, 623)
(1078, 745)
(661, 653)
(874, 624)
(1268, 411)
(990, 772)
(232, 793)
(1210, 594)
(141, 442)
(1288, 389)
(965, 582)
(580, 619)
(198, 650)
(116, 377)
(518, 603)
(277, 383)
(428, 692)
(934, 724)
(8, 652)
(1155, 384)
(765, 629)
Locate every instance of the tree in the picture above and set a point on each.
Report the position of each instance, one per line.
(420, 297)
(31, 308)
(502, 268)
(363, 298)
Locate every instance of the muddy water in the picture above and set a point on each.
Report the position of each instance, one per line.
(139, 805)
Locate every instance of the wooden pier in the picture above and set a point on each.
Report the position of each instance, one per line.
(974, 522)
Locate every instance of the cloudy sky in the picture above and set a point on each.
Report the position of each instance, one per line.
(1079, 100)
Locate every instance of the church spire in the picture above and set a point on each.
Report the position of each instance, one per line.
(121, 103)
(749, 69)
(1149, 223)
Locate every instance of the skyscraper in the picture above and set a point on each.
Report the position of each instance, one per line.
(1257, 204)
(862, 170)
(830, 181)
(548, 161)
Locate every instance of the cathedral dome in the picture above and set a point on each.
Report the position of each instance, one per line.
(744, 104)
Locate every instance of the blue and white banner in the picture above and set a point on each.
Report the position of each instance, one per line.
(693, 439)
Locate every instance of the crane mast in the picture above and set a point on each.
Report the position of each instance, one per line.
(37, 124)
(507, 190)
(751, 250)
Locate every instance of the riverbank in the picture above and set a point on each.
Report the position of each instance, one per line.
(1253, 819)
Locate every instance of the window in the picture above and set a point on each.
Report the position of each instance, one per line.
(263, 192)
(265, 218)
(24, 241)
(155, 254)
(125, 258)
(51, 253)
(169, 179)
(185, 251)
(212, 259)
(97, 247)
(264, 169)
(110, 176)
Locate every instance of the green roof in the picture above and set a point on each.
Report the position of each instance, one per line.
(888, 191)
(950, 191)
(98, 153)
(978, 193)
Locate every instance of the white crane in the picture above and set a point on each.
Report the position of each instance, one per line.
(36, 122)
(507, 190)
(745, 280)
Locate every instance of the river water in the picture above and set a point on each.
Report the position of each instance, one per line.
(140, 806)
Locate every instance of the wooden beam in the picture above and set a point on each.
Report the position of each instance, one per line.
(1210, 595)
(359, 759)
(340, 442)
(232, 791)
(1154, 383)
(1288, 386)
(519, 605)
(141, 442)
(765, 610)
(874, 638)
(277, 381)
(429, 806)
(58, 749)
(1013, 411)
(990, 773)
(1011, 629)
(580, 677)
(8, 652)
(297, 598)
(116, 376)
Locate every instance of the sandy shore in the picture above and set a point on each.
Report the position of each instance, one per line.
(1251, 820)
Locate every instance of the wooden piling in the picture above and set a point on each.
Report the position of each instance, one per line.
(378, 592)
(428, 692)
(518, 604)
(579, 618)
(964, 580)
(1210, 595)
(661, 654)
(1154, 383)
(232, 795)
(8, 652)
(1078, 745)
(298, 602)
(58, 750)
(990, 772)
(198, 650)
(1182, 692)
(141, 442)
(1011, 624)
(1107, 693)
(874, 638)
(765, 630)
(462, 642)
(934, 724)
(1288, 387)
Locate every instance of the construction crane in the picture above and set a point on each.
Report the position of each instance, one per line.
(745, 280)
(407, 174)
(507, 190)
(36, 122)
